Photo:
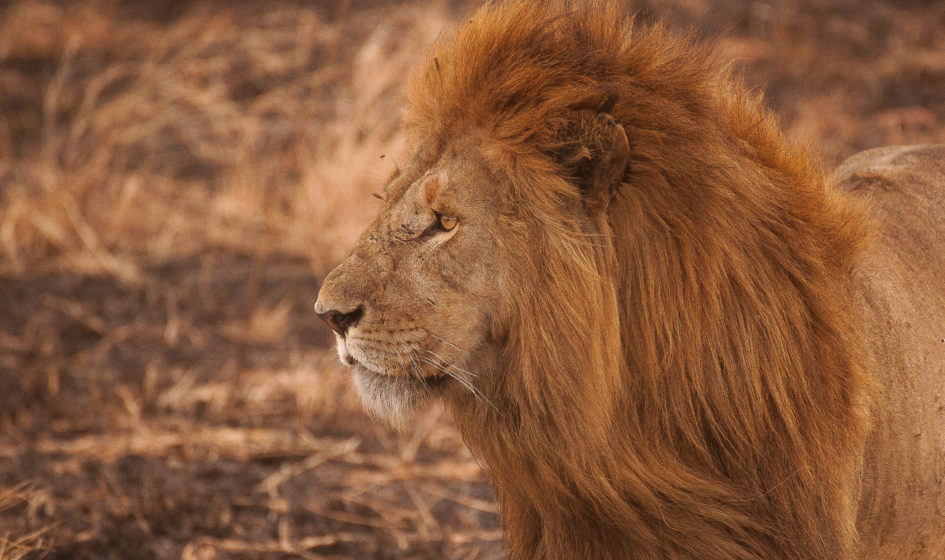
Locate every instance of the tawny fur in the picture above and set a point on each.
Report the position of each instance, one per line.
(704, 396)
(681, 367)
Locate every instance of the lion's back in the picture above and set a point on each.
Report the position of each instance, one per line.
(900, 294)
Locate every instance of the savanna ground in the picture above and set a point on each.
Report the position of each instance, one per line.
(176, 177)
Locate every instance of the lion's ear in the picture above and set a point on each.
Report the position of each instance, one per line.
(592, 149)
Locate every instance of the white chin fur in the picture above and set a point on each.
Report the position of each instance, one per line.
(386, 397)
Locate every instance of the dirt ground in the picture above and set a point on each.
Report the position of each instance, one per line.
(176, 178)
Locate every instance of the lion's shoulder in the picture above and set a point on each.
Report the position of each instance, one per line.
(903, 188)
(899, 282)
(893, 169)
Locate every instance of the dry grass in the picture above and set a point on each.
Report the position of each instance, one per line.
(174, 178)
(16, 547)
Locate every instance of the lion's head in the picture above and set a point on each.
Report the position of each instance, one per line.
(627, 287)
(418, 304)
(426, 303)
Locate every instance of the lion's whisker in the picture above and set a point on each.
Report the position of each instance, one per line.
(451, 364)
(444, 341)
(412, 355)
(403, 364)
(442, 368)
(459, 375)
(410, 367)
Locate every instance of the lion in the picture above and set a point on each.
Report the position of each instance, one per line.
(663, 329)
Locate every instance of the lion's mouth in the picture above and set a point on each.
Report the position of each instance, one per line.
(408, 374)
(395, 379)
(418, 382)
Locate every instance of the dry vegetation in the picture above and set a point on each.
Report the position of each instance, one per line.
(174, 180)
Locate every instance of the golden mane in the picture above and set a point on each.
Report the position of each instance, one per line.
(688, 383)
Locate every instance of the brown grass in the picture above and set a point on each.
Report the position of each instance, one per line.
(174, 178)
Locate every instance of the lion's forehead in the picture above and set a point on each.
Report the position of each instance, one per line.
(407, 180)
(462, 173)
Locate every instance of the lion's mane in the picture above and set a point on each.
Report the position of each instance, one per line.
(688, 383)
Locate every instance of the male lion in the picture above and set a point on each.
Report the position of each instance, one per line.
(660, 327)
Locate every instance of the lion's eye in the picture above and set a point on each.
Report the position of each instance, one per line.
(448, 222)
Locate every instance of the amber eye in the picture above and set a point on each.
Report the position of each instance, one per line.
(448, 222)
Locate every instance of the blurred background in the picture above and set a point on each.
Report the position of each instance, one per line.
(176, 178)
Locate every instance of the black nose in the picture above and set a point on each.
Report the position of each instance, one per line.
(339, 321)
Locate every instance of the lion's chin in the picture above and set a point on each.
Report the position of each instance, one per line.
(395, 400)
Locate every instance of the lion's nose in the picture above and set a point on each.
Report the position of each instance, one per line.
(339, 321)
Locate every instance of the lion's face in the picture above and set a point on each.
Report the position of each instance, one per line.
(413, 307)
(430, 292)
